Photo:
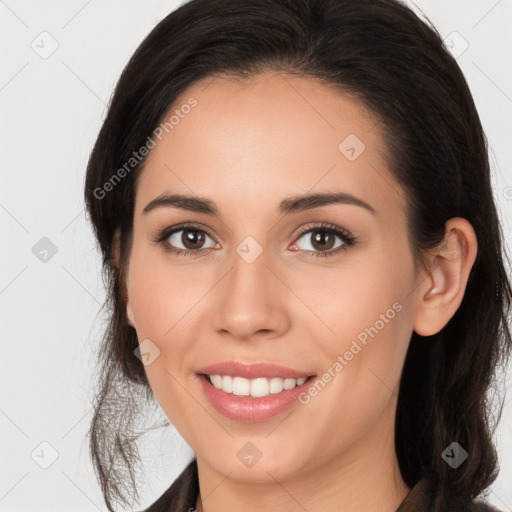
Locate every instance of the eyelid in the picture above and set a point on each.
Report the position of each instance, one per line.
(347, 238)
(312, 226)
(161, 236)
(166, 232)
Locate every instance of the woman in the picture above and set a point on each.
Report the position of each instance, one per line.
(304, 261)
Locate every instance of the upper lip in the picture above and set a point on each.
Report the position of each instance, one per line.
(252, 370)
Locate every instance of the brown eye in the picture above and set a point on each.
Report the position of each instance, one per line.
(320, 239)
(191, 239)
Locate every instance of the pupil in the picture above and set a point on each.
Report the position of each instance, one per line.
(192, 238)
(320, 238)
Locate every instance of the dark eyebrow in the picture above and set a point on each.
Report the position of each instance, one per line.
(290, 205)
(305, 202)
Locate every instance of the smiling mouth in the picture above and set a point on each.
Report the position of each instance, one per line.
(257, 388)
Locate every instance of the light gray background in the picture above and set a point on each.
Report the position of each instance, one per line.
(51, 111)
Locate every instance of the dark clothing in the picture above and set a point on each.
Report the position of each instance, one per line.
(181, 496)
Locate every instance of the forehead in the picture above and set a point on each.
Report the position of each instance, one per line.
(255, 141)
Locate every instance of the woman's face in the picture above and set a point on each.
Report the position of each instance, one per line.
(260, 281)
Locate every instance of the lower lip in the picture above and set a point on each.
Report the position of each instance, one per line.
(247, 409)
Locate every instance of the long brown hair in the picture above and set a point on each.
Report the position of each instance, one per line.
(381, 52)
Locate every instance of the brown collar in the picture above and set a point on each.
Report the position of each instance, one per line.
(418, 499)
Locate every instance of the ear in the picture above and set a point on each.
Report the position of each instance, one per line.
(116, 256)
(440, 294)
(129, 314)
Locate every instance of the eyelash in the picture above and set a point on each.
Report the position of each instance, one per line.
(348, 240)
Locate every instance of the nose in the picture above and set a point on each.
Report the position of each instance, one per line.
(251, 300)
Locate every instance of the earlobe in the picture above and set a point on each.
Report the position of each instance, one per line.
(116, 256)
(129, 315)
(441, 293)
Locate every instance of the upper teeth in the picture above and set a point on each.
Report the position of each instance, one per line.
(255, 387)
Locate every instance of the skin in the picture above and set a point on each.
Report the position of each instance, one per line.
(247, 146)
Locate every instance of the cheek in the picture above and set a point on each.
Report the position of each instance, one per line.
(364, 364)
(371, 321)
(165, 301)
(365, 302)
(160, 305)
(159, 294)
